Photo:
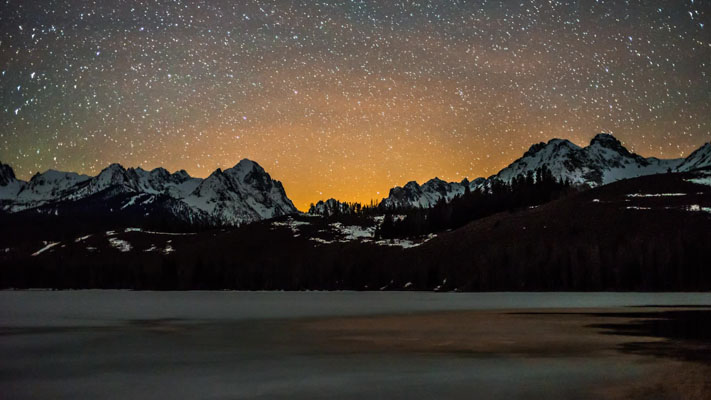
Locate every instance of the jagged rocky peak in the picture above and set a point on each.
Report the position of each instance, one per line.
(435, 182)
(243, 193)
(606, 140)
(7, 174)
(413, 195)
(250, 173)
(158, 180)
(439, 186)
(240, 194)
(52, 183)
(476, 183)
(246, 169)
(247, 165)
(552, 145)
(215, 181)
(54, 175)
(160, 172)
(412, 185)
(181, 175)
(113, 168)
(114, 174)
(178, 177)
(604, 161)
(534, 149)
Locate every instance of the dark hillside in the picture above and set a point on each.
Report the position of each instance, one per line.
(648, 233)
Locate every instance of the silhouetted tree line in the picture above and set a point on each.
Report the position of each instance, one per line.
(535, 188)
(352, 209)
(565, 248)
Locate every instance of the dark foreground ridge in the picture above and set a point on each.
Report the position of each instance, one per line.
(650, 233)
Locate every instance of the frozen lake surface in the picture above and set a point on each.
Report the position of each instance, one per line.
(226, 345)
(102, 307)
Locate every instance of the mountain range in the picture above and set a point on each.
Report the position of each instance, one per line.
(604, 160)
(246, 192)
(241, 194)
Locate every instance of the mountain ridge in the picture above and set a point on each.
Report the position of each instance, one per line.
(604, 160)
(250, 194)
(247, 193)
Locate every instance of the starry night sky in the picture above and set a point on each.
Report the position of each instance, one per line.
(345, 99)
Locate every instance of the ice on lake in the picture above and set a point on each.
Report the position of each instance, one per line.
(219, 345)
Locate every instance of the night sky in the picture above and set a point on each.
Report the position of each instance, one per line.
(345, 99)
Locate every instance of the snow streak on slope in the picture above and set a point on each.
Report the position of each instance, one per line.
(701, 158)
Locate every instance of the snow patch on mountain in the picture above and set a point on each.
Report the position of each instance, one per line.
(120, 245)
(48, 246)
(159, 233)
(406, 243)
(292, 224)
(701, 158)
(655, 194)
(353, 232)
(698, 208)
(82, 238)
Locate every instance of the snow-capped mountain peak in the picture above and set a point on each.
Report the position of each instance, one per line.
(159, 174)
(561, 156)
(243, 193)
(240, 194)
(51, 184)
(429, 193)
(545, 150)
(603, 161)
(159, 180)
(181, 176)
(608, 141)
(244, 168)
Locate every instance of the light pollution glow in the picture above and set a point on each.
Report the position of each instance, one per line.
(345, 99)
